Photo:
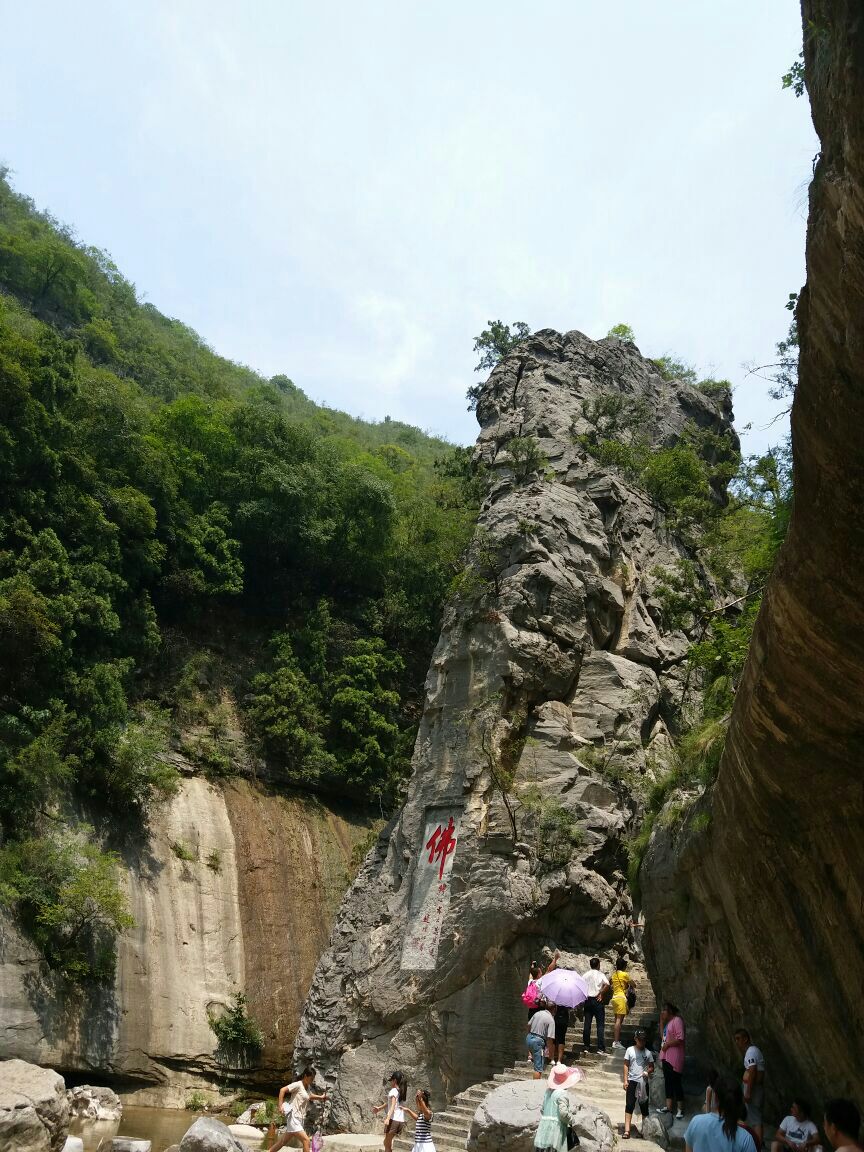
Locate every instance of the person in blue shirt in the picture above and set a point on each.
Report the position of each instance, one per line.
(719, 1132)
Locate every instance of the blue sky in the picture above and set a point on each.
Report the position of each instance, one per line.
(348, 192)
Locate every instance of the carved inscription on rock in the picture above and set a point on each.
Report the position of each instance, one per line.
(430, 894)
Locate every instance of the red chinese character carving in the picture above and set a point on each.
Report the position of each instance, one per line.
(441, 843)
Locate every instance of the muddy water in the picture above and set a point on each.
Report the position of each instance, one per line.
(162, 1126)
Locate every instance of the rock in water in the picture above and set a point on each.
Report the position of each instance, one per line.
(130, 1144)
(34, 1112)
(506, 1120)
(73, 1144)
(92, 1103)
(544, 706)
(209, 1135)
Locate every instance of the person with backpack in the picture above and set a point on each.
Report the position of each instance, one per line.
(622, 988)
(554, 1133)
(532, 993)
(638, 1068)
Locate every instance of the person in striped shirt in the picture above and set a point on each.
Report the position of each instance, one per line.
(422, 1122)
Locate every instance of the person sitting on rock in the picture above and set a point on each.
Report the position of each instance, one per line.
(842, 1125)
(797, 1131)
(753, 1083)
(638, 1067)
(293, 1099)
(555, 1112)
(541, 1031)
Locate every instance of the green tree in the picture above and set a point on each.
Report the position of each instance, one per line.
(285, 709)
(621, 332)
(497, 341)
(364, 733)
(68, 895)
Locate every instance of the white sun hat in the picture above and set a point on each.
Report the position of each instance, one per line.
(560, 1076)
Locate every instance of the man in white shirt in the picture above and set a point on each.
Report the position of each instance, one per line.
(797, 1132)
(753, 1081)
(595, 1006)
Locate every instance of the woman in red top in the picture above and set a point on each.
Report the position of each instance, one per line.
(672, 1058)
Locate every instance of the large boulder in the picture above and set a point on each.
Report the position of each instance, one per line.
(91, 1103)
(34, 1113)
(655, 1129)
(506, 1120)
(542, 728)
(208, 1134)
(130, 1144)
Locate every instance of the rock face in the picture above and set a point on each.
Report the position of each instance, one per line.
(232, 918)
(506, 1121)
(34, 1113)
(755, 909)
(544, 710)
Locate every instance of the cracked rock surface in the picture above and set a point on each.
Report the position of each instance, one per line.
(544, 702)
(755, 907)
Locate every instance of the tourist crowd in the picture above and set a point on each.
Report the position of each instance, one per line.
(731, 1119)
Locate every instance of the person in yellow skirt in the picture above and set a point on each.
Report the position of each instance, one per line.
(621, 985)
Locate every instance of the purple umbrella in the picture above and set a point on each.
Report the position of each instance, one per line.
(563, 986)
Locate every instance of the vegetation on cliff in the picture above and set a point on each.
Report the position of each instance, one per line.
(729, 513)
(186, 549)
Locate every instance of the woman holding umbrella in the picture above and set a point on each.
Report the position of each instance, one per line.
(565, 989)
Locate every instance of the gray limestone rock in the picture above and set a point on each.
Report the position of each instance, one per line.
(34, 1113)
(655, 1129)
(754, 905)
(92, 1103)
(544, 709)
(73, 1144)
(208, 1134)
(129, 1144)
(506, 1120)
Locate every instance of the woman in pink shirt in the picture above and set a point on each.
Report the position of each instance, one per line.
(672, 1058)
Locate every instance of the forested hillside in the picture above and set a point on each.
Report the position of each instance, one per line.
(194, 561)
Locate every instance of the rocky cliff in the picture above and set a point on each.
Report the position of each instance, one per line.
(544, 714)
(235, 890)
(755, 906)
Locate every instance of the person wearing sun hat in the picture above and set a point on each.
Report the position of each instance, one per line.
(555, 1113)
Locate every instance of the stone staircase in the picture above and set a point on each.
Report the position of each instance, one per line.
(602, 1089)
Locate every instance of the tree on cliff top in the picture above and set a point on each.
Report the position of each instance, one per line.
(494, 343)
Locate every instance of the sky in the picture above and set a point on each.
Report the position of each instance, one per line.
(348, 192)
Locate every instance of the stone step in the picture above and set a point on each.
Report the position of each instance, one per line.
(459, 1109)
